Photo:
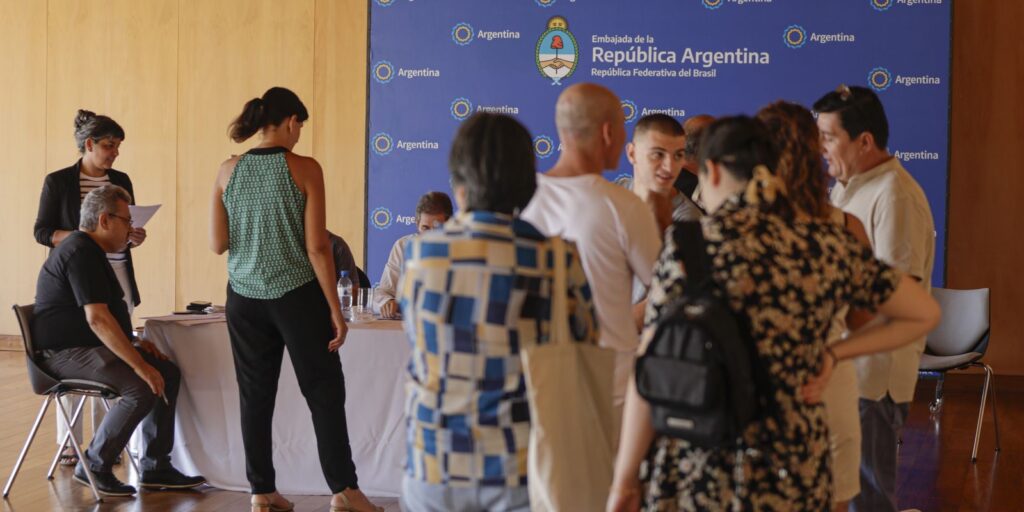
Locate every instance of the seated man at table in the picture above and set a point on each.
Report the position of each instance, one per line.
(82, 330)
(432, 210)
(344, 260)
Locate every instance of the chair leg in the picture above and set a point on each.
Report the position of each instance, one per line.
(995, 410)
(78, 451)
(127, 453)
(936, 404)
(67, 437)
(28, 443)
(981, 410)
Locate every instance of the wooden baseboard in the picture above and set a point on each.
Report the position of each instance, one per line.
(11, 343)
(972, 381)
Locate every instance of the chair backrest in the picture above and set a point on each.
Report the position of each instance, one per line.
(965, 322)
(42, 382)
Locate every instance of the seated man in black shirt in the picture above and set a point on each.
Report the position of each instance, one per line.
(82, 328)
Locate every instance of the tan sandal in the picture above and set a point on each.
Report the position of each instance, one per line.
(270, 507)
(346, 506)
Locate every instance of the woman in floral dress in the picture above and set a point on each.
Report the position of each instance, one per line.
(785, 274)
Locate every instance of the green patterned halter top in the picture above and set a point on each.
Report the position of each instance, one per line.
(266, 227)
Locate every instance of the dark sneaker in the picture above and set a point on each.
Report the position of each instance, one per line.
(106, 483)
(169, 479)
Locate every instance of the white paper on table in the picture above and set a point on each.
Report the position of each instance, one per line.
(142, 214)
(196, 319)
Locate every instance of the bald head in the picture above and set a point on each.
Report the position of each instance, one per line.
(591, 125)
(582, 109)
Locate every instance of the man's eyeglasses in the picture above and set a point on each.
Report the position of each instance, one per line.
(126, 219)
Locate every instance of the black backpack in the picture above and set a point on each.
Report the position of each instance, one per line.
(699, 372)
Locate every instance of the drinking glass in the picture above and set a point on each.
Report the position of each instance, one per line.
(363, 308)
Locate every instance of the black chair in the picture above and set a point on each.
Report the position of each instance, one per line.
(53, 390)
(958, 343)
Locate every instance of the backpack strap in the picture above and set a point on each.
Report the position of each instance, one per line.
(692, 247)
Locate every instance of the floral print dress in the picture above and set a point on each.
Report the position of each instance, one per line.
(787, 279)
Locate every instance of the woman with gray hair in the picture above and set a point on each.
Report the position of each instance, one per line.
(99, 140)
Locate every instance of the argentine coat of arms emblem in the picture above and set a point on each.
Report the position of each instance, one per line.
(557, 52)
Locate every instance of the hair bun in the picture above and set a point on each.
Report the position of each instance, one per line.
(83, 116)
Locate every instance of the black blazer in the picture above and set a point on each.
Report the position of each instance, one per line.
(60, 207)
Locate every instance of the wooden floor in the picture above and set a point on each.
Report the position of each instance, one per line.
(935, 469)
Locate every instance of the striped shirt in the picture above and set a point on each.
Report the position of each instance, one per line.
(87, 184)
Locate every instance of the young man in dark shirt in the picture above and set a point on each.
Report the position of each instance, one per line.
(83, 331)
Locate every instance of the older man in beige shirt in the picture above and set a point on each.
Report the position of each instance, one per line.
(874, 186)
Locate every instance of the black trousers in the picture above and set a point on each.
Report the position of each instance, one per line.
(138, 405)
(260, 330)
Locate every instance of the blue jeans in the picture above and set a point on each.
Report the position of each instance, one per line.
(419, 496)
(881, 423)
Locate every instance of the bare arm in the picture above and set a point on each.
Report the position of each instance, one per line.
(219, 238)
(639, 309)
(634, 441)
(318, 245)
(109, 332)
(58, 236)
(910, 313)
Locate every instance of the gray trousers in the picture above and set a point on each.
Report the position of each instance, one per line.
(881, 422)
(419, 496)
(138, 405)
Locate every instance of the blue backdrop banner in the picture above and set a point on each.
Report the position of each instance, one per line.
(435, 62)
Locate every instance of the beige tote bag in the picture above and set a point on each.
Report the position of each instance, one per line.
(569, 467)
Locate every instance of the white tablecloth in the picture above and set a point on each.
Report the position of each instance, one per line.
(208, 437)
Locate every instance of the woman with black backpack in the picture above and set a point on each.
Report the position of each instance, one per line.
(783, 275)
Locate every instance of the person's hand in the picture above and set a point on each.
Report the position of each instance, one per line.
(340, 331)
(136, 236)
(812, 391)
(152, 377)
(389, 310)
(624, 499)
(150, 348)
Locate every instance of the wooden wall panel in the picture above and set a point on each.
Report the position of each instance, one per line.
(22, 132)
(119, 58)
(230, 52)
(986, 246)
(338, 116)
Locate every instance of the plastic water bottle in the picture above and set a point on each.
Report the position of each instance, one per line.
(345, 294)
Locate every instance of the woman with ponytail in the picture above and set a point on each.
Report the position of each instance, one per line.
(785, 274)
(98, 139)
(268, 214)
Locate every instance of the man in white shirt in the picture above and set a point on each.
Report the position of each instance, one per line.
(432, 210)
(614, 230)
(874, 186)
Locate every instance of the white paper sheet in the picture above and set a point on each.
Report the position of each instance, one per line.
(142, 214)
(189, 319)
